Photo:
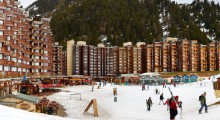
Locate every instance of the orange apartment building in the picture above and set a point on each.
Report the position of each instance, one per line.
(25, 44)
(168, 56)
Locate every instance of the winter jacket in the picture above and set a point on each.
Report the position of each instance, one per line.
(203, 99)
(173, 105)
(149, 102)
(161, 97)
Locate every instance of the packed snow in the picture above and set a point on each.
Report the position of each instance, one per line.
(131, 102)
(130, 105)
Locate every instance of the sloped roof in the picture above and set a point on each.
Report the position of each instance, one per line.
(28, 98)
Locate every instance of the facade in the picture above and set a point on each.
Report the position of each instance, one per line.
(169, 56)
(57, 59)
(25, 43)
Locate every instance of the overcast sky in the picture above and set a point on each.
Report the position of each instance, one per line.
(25, 3)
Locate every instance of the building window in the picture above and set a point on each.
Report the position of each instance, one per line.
(8, 37)
(1, 33)
(1, 67)
(6, 68)
(1, 22)
(14, 69)
(1, 56)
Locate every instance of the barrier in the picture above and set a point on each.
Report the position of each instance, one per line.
(75, 94)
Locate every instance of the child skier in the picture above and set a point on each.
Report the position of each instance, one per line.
(149, 103)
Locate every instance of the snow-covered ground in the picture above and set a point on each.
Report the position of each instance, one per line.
(131, 102)
(130, 105)
(8, 113)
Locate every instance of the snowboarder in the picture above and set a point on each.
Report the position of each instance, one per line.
(173, 107)
(167, 103)
(202, 99)
(149, 103)
(161, 98)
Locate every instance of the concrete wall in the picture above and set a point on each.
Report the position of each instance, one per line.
(70, 45)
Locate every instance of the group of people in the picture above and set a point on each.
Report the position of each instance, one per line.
(173, 103)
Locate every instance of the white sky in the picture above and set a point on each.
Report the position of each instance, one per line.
(25, 3)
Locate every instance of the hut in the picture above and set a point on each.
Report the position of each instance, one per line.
(185, 78)
(20, 101)
(151, 78)
(177, 78)
(193, 78)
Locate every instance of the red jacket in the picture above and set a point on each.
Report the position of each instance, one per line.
(173, 105)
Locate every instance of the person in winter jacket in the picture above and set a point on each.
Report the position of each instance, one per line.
(167, 103)
(202, 100)
(149, 103)
(161, 98)
(173, 107)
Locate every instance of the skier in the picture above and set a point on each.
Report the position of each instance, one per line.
(163, 84)
(156, 90)
(161, 98)
(173, 107)
(148, 87)
(202, 100)
(167, 103)
(143, 87)
(149, 103)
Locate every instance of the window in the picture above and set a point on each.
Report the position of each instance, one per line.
(14, 59)
(14, 69)
(1, 67)
(1, 33)
(6, 68)
(8, 48)
(8, 37)
(1, 22)
(1, 56)
(37, 64)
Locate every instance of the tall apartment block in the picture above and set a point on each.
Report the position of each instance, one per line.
(57, 59)
(25, 43)
(64, 63)
(168, 56)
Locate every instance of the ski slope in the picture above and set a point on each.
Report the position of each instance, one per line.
(131, 103)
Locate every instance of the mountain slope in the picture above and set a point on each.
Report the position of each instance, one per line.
(130, 20)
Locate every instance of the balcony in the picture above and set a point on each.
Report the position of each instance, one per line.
(17, 2)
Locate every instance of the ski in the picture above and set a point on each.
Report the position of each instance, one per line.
(173, 97)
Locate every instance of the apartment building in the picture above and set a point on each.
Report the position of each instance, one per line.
(57, 59)
(94, 61)
(64, 63)
(169, 56)
(25, 43)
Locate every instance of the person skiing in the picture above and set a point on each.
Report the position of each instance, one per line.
(161, 98)
(149, 103)
(143, 87)
(156, 90)
(173, 107)
(202, 100)
(167, 103)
